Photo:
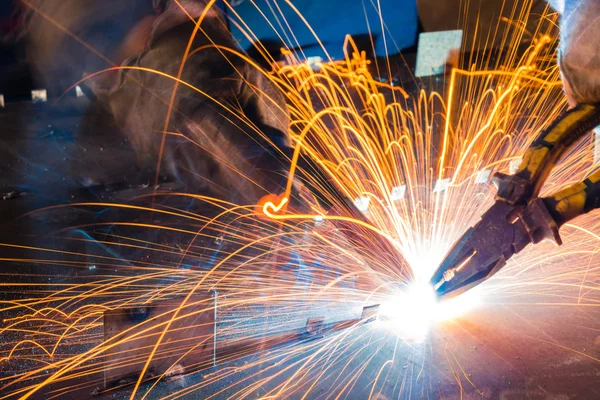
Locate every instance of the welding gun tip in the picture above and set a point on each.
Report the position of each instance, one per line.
(446, 277)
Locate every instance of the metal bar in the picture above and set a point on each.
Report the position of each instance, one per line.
(215, 295)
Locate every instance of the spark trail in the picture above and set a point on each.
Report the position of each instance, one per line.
(288, 259)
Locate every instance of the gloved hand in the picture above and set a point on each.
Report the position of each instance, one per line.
(579, 51)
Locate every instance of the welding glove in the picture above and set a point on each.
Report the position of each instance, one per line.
(579, 56)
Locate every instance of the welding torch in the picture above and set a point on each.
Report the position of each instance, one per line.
(519, 217)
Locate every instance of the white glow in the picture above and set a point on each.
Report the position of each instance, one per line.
(483, 176)
(39, 96)
(514, 166)
(362, 203)
(424, 263)
(411, 313)
(596, 144)
(398, 192)
(441, 185)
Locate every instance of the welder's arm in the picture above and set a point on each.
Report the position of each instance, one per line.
(579, 54)
(575, 200)
(544, 152)
(579, 61)
(539, 161)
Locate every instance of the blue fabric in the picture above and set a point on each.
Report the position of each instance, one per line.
(331, 20)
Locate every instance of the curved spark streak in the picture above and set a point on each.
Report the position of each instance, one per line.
(275, 266)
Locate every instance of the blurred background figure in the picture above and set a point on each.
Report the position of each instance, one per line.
(115, 134)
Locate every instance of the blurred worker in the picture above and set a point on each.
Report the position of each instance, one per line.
(225, 128)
